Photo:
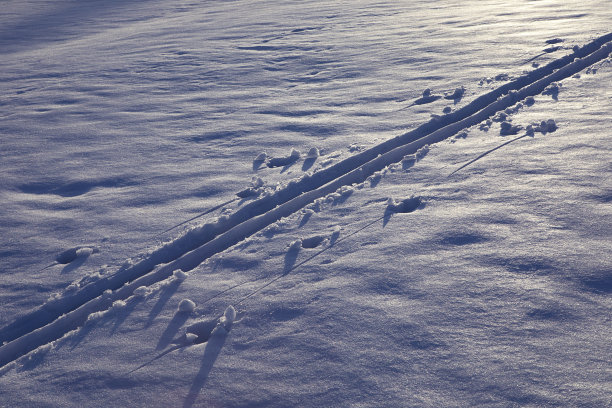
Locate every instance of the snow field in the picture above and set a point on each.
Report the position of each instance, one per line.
(492, 291)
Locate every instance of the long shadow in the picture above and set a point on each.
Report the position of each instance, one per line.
(387, 217)
(308, 163)
(78, 262)
(211, 352)
(288, 166)
(305, 219)
(290, 258)
(178, 320)
(129, 308)
(164, 297)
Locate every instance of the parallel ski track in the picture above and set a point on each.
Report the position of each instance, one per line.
(59, 316)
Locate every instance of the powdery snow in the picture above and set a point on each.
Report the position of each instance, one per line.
(445, 244)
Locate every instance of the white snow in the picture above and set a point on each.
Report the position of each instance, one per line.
(180, 275)
(313, 153)
(186, 305)
(130, 194)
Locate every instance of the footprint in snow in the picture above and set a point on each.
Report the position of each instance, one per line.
(405, 206)
(312, 242)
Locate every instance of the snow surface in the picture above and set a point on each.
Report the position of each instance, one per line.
(153, 255)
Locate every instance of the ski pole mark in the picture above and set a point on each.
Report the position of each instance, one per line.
(545, 51)
(544, 127)
(486, 153)
(228, 202)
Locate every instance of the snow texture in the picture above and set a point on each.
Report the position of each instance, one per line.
(445, 244)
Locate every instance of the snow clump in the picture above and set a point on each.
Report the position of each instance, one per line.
(508, 129)
(186, 305)
(141, 291)
(313, 153)
(228, 318)
(180, 275)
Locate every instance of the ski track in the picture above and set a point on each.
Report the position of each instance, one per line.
(70, 311)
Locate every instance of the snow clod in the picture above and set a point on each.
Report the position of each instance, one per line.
(313, 153)
(141, 291)
(508, 129)
(227, 320)
(186, 305)
(180, 275)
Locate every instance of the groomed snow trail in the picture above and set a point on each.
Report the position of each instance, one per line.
(58, 316)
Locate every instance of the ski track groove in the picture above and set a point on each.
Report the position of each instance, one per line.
(58, 316)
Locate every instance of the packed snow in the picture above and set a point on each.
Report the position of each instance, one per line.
(305, 203)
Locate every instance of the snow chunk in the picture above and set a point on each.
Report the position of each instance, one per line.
(313, 153)
(551, 125)
(427, 97)
(508, 129)
(256, 182)
(186, 305)
(141, 291)
(552, 90)
(295, 245)
(422, 152)
(227, 320)
(457, 95)
(180, 275)
(118, 304)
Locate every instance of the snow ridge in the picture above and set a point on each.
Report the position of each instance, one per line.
(60, 315)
